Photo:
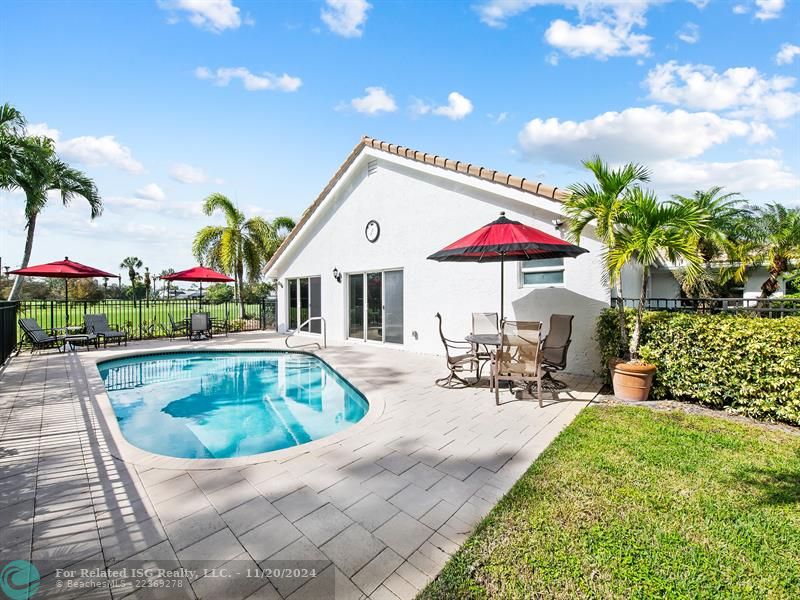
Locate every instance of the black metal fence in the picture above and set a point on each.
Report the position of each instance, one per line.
(8, 330)
(145, 320)
(766, 307)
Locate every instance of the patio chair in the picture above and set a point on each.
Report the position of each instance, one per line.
(461, 358)
(98, 325)
(175, 329)
(200, 326)
(484, 324)
(518, 359)
(39, 339)
(554, 349)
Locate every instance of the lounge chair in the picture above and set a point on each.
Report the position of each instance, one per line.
(98, 325)
(200, 326)
(554, 349)
(518, 359)
(461, 358)
(175, 329)
(39, 338)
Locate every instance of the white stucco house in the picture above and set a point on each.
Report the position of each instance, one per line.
(358, 255)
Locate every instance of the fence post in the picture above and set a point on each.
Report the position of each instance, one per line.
(140, 320)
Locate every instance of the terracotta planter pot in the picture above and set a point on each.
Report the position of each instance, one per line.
(632, 381)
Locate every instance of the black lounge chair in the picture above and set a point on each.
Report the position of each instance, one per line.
(554, 350)
(38, 337)
(98, 325)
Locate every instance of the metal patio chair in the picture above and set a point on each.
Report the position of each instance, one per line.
(554, 350)
(200, 326)
(518, 359)
(461, 358)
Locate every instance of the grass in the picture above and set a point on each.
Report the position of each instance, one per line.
(631, 503)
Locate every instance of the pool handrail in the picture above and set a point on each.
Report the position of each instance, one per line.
(303, 324)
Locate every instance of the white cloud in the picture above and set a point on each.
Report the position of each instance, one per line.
(786, 54)
(605, 27)
(597, 39)
(345, 17)
(701, 4)
(751, 175)
(250, 81)
(212, 15)
(100, 152)
(43, 129)
(643, 134)
(186, 173)
(89, 150)
(689, 33)
(760, 133)
(741, 90)
(740, 9)
(376, 100)
(152, 191)
(769, 9)
(457, 107)
(498, 118)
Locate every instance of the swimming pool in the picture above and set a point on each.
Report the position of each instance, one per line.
(228, 404)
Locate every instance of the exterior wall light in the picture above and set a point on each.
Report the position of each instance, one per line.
(336, 275)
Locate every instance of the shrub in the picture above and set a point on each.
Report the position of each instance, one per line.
(749, 364)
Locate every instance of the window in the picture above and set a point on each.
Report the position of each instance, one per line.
(546, 271)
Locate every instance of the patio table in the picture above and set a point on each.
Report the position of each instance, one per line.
(485, 340)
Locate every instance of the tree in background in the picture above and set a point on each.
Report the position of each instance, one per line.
(147, 284)
(218, 293)
(242, 246)
(601, 204)
(776, 233)
(719, 242)
(30, 164)
(132, 264)
(167, 282)
(86, 289)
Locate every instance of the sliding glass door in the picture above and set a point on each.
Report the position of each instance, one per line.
(304, 300)
(375, 306)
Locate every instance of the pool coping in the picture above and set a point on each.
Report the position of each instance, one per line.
(123, 450)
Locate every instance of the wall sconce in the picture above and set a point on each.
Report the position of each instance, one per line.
(336, 275)
(558, 224)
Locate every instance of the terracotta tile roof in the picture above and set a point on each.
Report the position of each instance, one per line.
(511, 181)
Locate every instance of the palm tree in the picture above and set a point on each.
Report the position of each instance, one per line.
(776, 233)
(601, 204)
(167, 282)
(648, 232)
(720, 239)
(37, 172)
(132, 263)
(241, 246)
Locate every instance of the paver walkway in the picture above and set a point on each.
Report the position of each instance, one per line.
(376, 515)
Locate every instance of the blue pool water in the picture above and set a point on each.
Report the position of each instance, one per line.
(227, 404)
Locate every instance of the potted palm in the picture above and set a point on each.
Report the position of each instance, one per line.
(647, 233)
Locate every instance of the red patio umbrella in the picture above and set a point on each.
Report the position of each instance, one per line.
(199, 274)
(63, 269)
(503, 240)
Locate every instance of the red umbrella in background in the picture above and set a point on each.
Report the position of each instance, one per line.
(63, 269)
(199, 274)
(503, 240)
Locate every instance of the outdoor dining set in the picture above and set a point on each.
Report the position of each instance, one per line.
(516, 352)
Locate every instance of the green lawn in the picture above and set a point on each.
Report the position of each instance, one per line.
(631, 503)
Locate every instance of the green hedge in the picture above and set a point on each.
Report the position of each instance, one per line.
(749, 364)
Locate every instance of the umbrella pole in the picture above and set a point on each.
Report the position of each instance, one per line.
(66, 301)
(502, 287)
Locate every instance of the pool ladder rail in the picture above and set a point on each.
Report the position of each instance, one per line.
(303, 324)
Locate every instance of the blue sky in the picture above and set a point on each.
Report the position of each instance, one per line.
(163, 102)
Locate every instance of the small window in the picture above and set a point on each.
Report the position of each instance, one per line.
(547, 271)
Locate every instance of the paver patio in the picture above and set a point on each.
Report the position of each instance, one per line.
(377, 513)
